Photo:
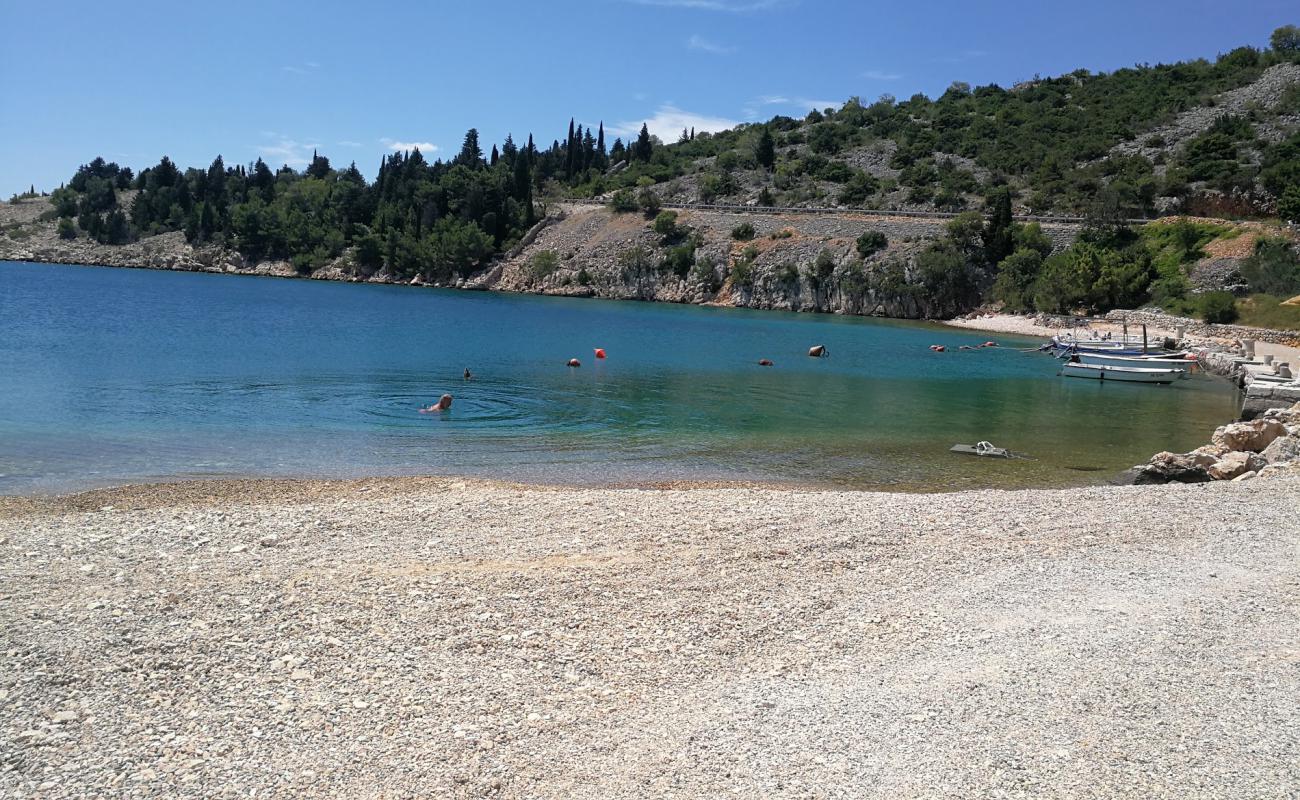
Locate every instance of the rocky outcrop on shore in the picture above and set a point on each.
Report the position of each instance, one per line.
(592, 252)
(1265, 447)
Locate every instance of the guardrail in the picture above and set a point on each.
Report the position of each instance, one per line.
(870, 212)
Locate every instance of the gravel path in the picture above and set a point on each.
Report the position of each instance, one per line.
(438, 638)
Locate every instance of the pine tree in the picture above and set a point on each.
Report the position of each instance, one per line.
(471, 155)
(509, 150)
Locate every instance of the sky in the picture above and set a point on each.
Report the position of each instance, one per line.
(132, 81)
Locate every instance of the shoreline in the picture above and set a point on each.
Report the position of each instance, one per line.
(459, 639)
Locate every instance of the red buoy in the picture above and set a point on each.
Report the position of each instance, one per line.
(573, 362)
(763, 362)
(600, 352)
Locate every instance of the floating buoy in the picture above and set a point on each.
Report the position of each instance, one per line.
(817, 351)
(600, 352)
(573, 362)
(763, 362)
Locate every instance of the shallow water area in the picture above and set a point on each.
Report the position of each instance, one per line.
(110, 376)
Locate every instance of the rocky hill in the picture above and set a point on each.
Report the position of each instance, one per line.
(795, 262)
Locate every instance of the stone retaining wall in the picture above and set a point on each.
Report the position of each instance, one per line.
(1156, 319)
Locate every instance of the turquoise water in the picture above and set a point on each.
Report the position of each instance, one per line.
(111, 375)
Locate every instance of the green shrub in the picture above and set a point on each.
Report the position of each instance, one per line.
(679, 260)
(870, 243)
(584, 277)
(543, 263)
(623, 202)
(67, 230)
(648, 201)
(784, 233)
(742, 273)
(823, 266)
(1220, 307)
(666, 224)
(743, 232)
(1273, 268)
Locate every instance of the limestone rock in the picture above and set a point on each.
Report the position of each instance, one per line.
(1282, 449)
(1253, 436)
(1169, 467)
(1230, 466)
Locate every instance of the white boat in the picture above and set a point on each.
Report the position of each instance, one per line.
(1098, 372)
(1142, 362)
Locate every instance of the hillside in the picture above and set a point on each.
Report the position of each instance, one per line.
(1202, 138)
(1217, 143)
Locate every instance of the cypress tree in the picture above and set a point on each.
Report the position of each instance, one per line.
(765, 148)
(642, 149)
(602, 159)
(495, 156)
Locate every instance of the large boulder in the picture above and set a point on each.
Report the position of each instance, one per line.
(1282, 449)
(1253, 436)
(1206, 455)
(1234, 464)
(1168, 467)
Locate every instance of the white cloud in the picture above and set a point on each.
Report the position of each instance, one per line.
(287, 151)
(706, 46)
(802, 102)
(669, 120)
(393, 144)
(881, 75)
(712, 5)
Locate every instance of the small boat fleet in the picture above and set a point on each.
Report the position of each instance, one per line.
(1130, 359)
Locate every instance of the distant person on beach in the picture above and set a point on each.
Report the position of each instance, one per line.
(443, 404)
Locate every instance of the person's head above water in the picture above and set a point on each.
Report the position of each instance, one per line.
(443, 404)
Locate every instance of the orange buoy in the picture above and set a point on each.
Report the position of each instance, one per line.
(764, 362)
(600, 352)
(573, 362)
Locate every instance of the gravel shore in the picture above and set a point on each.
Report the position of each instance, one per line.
(447, 638)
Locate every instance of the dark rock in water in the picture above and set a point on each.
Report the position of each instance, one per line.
(1166, 468)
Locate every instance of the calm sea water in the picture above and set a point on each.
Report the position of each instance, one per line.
(110, 376)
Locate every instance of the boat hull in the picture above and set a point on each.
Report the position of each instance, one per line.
(1098, 372)
(1109, 360)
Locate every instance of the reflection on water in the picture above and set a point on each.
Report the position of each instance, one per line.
(117, 375)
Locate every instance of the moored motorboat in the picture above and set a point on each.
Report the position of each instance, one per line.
(1182, 365)
(1098, 372)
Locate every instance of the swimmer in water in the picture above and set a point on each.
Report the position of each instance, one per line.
(467, 375)
(443, 404)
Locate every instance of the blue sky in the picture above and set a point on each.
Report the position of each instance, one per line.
(134, 80)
